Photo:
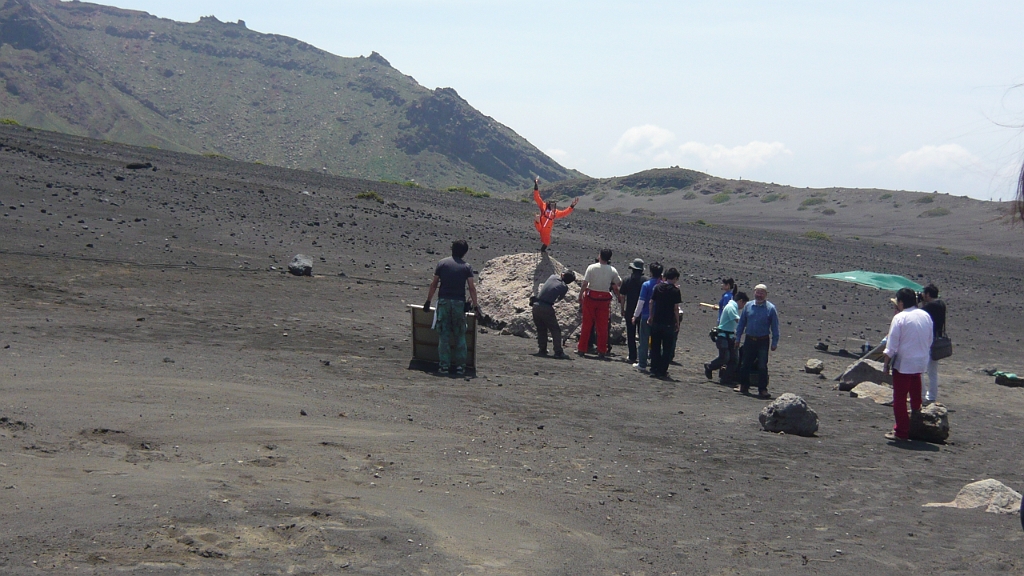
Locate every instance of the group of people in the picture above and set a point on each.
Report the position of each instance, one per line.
(651, 307)
(746, 333)
(908, 353)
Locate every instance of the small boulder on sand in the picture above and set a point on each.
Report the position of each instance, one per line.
(814, 366)
(863, 371)
(995, 496)
(789, 413)
(301, 265)
(931, 424)
(880, 393)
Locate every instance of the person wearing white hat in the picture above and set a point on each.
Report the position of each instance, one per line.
(760, 322)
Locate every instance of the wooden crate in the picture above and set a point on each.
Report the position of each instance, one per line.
(424, 338)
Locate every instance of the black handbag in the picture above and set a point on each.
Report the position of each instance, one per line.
(942, 347)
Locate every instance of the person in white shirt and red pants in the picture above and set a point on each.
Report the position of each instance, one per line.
(907, 353)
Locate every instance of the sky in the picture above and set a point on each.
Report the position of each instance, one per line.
(907, 95)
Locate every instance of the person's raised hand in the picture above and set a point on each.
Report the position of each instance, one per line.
(574, 201)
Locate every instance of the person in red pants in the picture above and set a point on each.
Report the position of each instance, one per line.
(907, 352)
(600, 282)
(549, 212)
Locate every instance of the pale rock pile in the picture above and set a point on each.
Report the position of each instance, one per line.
(995, 496)
(506, 284)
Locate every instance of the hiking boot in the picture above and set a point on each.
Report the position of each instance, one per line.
(542, 353)
(708, 373)
(764, 395)
(742, 389)
(560, 356)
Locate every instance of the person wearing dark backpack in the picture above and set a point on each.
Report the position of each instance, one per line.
(937, 310)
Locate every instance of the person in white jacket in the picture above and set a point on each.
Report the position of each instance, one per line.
(907, 353)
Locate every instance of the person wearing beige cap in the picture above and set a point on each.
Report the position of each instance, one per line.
(760, 322)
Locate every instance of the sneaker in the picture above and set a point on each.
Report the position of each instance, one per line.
(460, 370)
(741, 390)
(581, 354)
(708, 373)
(542, 353)
(443, 369)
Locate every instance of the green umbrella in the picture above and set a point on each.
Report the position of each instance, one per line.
(874, 279)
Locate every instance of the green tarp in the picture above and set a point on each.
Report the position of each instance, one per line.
(874, 279)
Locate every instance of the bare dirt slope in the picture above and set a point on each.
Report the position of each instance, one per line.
(173, 403)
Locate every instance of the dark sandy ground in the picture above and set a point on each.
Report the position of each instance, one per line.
(173, 405)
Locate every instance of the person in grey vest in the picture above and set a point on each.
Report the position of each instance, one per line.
(544, 317)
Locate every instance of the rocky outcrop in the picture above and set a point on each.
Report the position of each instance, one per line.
(789, 413)
(506, 284)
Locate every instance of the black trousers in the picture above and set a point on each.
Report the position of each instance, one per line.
(755, 356)
(663, 347)
(545, 321)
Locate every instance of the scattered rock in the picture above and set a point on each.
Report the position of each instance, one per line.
(168, 360)
(995, 496)
(821, 346)
(789, 413)
(880, 393)
(863, 371)
(301, 265)
(139, 165)
(931, 424)
(814, 366)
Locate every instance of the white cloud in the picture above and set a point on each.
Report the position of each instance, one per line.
(643, 141)
(927, 158)
(716, 157)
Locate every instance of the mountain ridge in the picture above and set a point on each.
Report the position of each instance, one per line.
(219, 88)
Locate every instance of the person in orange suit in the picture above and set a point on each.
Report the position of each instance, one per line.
(549, 212)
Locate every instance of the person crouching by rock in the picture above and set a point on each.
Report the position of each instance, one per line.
(453, 275)
(544, 318)
(725, 340)
(664, 323)
(907, 352)
(600, 280)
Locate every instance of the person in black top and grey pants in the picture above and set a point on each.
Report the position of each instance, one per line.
(937, 310)
(544, 318)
